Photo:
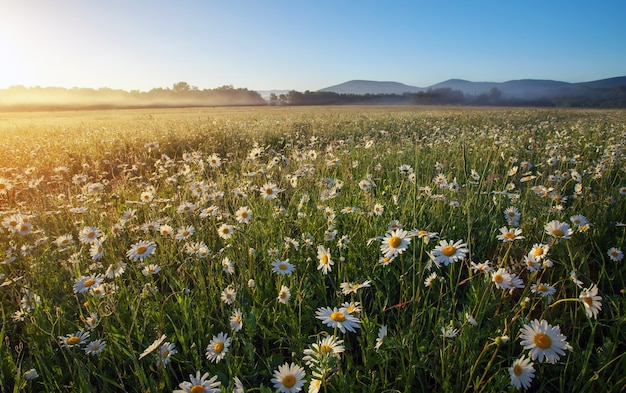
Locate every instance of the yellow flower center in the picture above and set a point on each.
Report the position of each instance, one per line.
(538, 251)
(288, 381)
(338, 316)
(324, 259)
(542, 288)
(269, 191)
(197, 389)
(166, 353)
(185, 233)
(219, 347)
(141, 249)
(282, 266)
(517, 370)
(244, 214)
(89, 282)
(449, 251)
(73, 340)
(91, 234)
(509, 235)
(498, 278)
(557, 232)
(543, 341)
(95, 347)
(325, 348)
(395, 241)
(588, 300)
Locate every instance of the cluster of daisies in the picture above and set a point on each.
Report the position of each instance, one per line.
(99, 254)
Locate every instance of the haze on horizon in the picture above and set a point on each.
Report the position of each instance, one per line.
(143, 44)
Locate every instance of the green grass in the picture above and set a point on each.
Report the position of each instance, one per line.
(481, 153)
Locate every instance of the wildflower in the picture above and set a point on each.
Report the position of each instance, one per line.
(481, 267)
(199, 384)
(89, 235)
(238, 386)
(63, 241)
(152, 347)
(150, 269)
(337, 318)
(115, 270)
(579, 221)
(572, 276)
(320, 352)
(395, 242)
(95, 347)
(544, 290)
(539, 251)
(448, 332)
(509, 235)
(378, 210)
(470, 319)
(225, 231)
(430, 279)
(351, 307)
(522, 372)
(72, 340)
(615, 254)
(228, 295)
(217, 348)
(325, 262)
(424, 235)
(590, 299)
(501, 278)
(86, 283)
(236, 320)
(141, 250)
(289, 378)
(30, 300)
(269, 191)
(348, 287)
(544, 341)
(282, 267)
(243, 215)
(284, 295)
(382, 333)
(448, 252)
(558, 230)
(184, 233)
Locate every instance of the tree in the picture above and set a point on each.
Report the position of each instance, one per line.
(181, 87)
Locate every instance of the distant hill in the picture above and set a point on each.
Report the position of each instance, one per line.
(528, 89)
(371, 87)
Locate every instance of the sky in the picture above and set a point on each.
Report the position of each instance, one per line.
(306, 45)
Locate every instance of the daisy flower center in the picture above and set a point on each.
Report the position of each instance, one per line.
(538, 251)
(588, 300)
(269, 191)
(141, 249)
(73, 340)
(219, 347)
(498, 278)
(197, 389)
(542, 288)
(95, 347)
(517, 370)
(91, 235)
(325, 259)
(289, 380)
(422, 233)
(338, 316)
(557, 232)
(325, 348)
(282, 266)
(395, 241)
(543, 341)
(509, 235)
(244, 214)
(89, 282)
(166, 353)
(449, 251)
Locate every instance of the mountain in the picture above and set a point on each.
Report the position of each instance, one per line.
(371, 87)
(528, 89)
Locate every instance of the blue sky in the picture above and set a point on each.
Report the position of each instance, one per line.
(306, 45)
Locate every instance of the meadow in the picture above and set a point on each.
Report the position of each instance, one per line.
(330, 249)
